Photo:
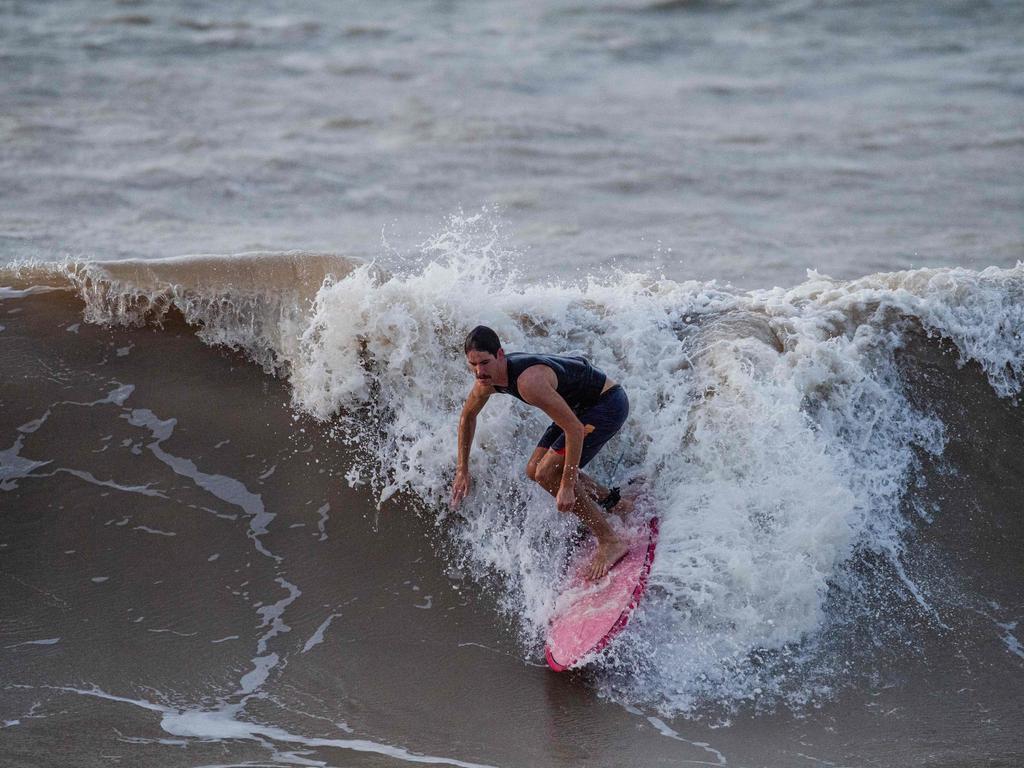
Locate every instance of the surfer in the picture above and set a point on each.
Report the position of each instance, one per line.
(586, 408)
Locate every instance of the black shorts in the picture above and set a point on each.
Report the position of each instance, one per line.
(600, 422)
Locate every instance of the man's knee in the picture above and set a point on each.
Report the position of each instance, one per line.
(531, 466)
(549, 471)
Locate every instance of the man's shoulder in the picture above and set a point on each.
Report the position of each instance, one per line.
(537, 375)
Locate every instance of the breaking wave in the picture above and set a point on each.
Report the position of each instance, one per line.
(781, 432)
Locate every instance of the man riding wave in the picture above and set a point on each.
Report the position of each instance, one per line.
(586, 407)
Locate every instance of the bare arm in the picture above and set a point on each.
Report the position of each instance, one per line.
(537, 386)
(475, 402)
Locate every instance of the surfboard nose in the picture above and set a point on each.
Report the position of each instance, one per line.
(552, 662)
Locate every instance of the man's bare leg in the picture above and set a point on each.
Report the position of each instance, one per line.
(599, 492)
(589, 485)
(610, 547)
(593, 488)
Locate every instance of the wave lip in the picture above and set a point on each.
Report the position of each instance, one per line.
(256, 302)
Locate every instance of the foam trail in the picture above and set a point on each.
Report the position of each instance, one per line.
(224, 488)
(220, 724)
(318, 636)
(116, 396)
(665, 730)
(13, 466)
(47, 641)
(1013, 645)
(81, 474)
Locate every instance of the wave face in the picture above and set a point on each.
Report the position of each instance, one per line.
(255, 302)
(787, 436)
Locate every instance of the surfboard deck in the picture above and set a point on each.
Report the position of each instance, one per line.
(589, 614)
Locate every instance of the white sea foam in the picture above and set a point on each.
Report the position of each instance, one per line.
(228, 723)
(772, 426)
(318, 635)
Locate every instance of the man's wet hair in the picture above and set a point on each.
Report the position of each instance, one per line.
(482, 339)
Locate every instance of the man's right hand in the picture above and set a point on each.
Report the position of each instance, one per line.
(460, 488)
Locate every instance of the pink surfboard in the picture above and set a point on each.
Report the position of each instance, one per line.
(589, 614)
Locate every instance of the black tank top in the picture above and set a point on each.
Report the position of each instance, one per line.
(579, 383)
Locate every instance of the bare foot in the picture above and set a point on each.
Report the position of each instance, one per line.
(608, 553)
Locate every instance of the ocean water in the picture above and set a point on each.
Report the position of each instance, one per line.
(241, 246)
(735, 141)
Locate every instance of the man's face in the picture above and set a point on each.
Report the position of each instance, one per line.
(484, 365)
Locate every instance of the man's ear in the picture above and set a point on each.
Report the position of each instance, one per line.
(501, 354)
